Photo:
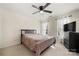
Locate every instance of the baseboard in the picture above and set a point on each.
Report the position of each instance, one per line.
(12, 44)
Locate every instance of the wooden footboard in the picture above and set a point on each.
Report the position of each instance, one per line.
(38, 47)
(42, 46)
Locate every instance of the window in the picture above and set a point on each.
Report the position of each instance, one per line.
(60, 24)
(44, 28)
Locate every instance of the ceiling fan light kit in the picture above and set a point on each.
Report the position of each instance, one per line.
(42, 8)
(41, 11)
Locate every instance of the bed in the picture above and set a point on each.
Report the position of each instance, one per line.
(35, 42)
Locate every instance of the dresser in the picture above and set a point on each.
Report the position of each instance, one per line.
(71, 41)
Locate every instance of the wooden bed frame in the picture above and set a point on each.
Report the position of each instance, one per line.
(32, 31)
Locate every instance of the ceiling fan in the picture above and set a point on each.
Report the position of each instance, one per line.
(42, 8)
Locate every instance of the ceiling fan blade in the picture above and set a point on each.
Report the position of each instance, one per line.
(47, 11)
(35, 6)
(47, 4)
(35, 12)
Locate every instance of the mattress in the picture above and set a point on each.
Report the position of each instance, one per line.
(37, 43)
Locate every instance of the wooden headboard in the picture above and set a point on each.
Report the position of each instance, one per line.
(28, 31)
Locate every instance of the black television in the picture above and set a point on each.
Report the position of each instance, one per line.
(70, 26)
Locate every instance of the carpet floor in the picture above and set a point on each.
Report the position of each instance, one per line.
(20, 50)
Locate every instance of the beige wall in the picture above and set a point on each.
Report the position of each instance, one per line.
(52, 24)
(52, 27)
(12, 23)
(0, 30)
(75, 17)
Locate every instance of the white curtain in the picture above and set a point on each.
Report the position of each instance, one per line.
(44, 27)
(60, 26)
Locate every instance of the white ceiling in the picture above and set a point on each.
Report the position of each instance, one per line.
(27, 9)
